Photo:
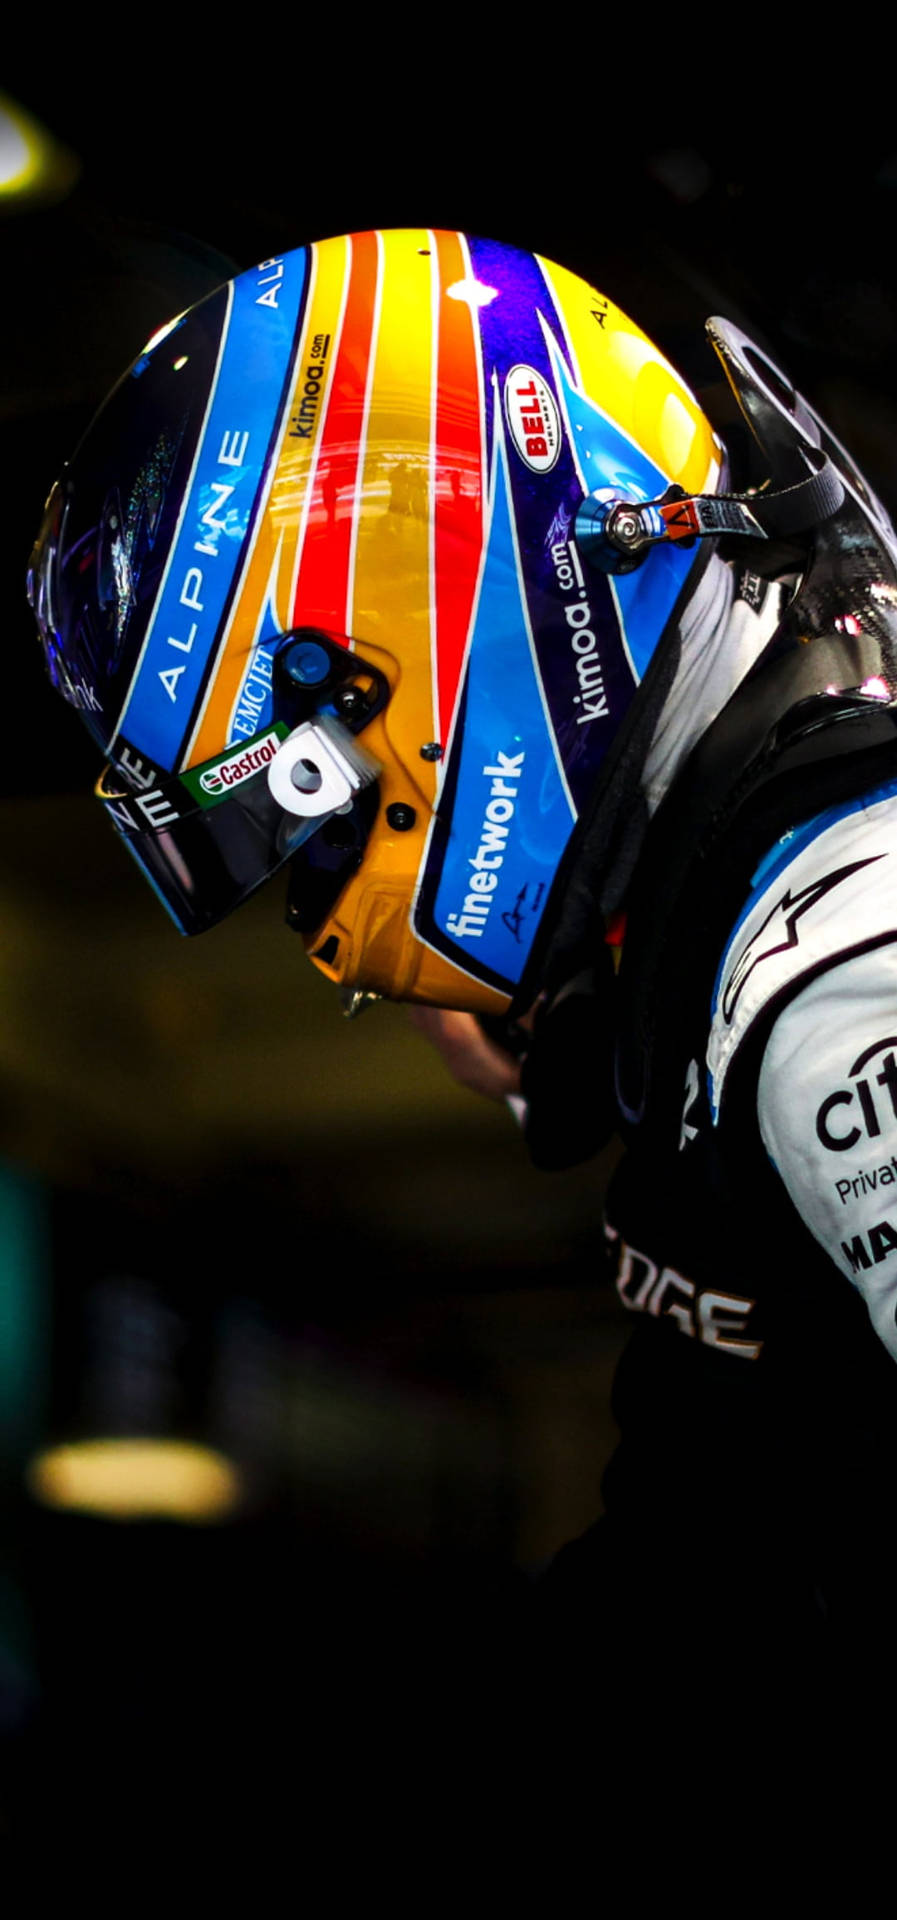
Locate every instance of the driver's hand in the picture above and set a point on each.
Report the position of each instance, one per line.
(471, 1057)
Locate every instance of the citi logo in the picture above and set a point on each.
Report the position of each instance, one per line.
(852, 1111)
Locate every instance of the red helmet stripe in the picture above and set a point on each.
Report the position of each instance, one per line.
(390, 587)
(321, 589)
(459, 455)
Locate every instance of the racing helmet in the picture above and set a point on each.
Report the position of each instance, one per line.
(345, 577)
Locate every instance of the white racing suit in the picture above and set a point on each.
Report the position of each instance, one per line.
(752, 1227)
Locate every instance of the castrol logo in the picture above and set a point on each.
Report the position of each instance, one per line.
(213, 782)
(532, 416)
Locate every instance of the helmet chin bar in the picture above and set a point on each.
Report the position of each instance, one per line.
(319, 769)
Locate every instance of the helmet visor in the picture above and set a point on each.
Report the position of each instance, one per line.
(207, 840)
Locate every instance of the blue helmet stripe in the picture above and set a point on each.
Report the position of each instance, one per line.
(254, 359)
(512, 813)
(608, 457)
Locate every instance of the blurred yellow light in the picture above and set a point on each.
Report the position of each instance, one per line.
(19, 159)
(136, 1480)
(31, 161)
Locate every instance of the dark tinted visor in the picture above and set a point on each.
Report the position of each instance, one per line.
(204, 862)
(207, 838)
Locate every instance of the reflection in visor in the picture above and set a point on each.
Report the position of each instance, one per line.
(40, 586)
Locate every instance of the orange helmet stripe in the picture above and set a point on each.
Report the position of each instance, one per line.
(321, 588)
(390, 589)
(281, 528)
(352, 538)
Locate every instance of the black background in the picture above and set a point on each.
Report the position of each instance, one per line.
(767, 208)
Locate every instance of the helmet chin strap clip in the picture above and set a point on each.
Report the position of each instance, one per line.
(615, 534)
(319, 769)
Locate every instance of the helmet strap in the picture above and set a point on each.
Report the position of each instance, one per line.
(615, 534)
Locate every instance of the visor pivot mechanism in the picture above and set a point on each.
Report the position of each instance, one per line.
(319, 769)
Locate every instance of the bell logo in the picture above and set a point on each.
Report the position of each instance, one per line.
(851, 1112)
(533, 419)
